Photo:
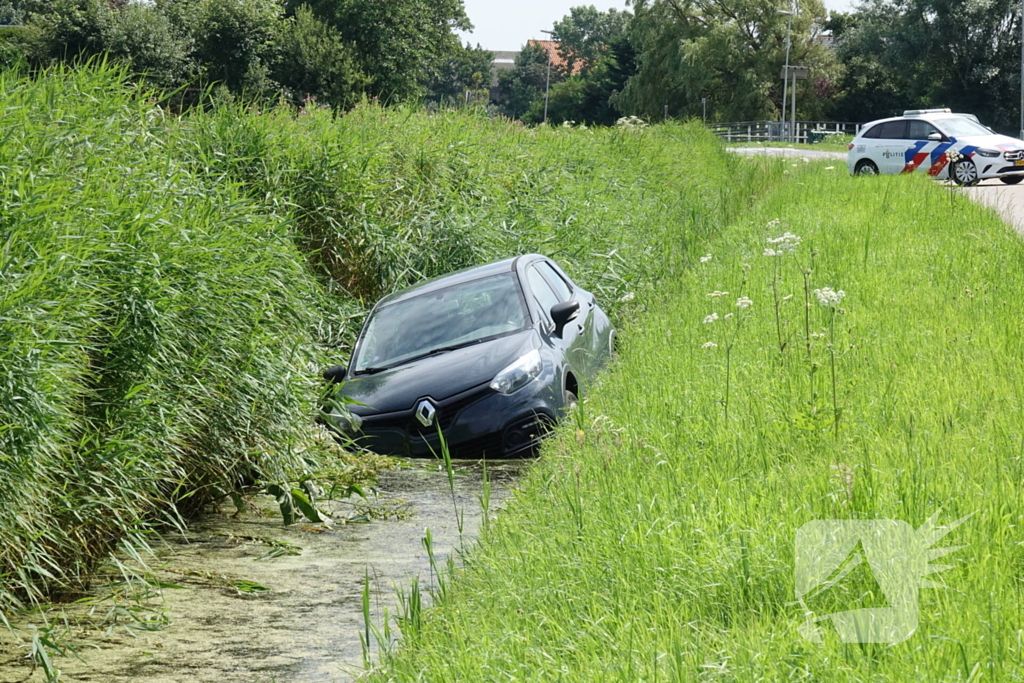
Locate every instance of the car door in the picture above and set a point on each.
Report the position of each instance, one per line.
(582, 351)
(545, 297)
(923, 153)
(893, 145)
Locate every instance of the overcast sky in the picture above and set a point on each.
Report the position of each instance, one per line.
(503, 25)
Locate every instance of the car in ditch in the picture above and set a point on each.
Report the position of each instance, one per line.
(489, 357)
(937, 142)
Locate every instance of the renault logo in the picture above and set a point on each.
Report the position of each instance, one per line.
(425, 412)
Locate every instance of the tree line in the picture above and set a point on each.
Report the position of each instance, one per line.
(679, 55)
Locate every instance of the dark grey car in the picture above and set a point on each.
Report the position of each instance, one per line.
(492, 356)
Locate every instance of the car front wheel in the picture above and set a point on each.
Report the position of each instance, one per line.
(865, 167)
(964, 172)
(1012, 179)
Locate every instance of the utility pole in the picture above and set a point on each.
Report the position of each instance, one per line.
(547, 88)
(785, 78)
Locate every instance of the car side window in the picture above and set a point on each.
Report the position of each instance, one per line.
(893, 130)
(873, 132)
(920, 130)
(556, 281)
(542, 291)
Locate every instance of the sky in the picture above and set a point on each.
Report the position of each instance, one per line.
(504, 25)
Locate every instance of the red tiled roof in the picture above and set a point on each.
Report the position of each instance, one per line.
(551, 47)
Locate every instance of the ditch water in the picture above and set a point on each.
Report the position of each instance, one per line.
(306, 625)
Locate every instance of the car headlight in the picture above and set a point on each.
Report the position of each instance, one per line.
(343, 419)
(518, 374)
(989, 152)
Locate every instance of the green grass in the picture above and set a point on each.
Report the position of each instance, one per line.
(170, 287)
(655, 538)
(832, 143)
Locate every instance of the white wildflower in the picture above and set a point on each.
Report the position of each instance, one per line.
(786, 244)
(787, 298)
(829, 298)
(728, 315)
(806, 160)
(710, 345)
(710, 319)
(830, 168)
(716, 294)
(705, 259)
(631, 123)
(744, 303)
(627, 297)
(773, 224)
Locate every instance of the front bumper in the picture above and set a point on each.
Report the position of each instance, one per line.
(477, 423)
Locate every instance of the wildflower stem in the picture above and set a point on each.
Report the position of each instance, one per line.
(832, 358)
(807, 334)
(775, 295)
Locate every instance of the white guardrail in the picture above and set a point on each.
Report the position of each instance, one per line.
(779, 131)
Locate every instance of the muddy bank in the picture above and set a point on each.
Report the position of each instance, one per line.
(306, 625)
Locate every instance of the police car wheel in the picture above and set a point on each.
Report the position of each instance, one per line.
(1012, 179)
(964, 172)
(866, 167)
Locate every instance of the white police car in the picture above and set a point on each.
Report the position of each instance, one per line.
(939, 143)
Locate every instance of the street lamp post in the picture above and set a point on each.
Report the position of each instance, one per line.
(785, 78)
(547, 87)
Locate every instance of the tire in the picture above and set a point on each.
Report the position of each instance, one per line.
(965, 173)
(570, 401)
(1012, 179)
(865, 167)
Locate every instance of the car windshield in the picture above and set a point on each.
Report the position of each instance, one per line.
(456, 316)
(957, 126)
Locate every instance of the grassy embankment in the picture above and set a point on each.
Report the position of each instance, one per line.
(832, 143)
(170, 287)
(655, 539)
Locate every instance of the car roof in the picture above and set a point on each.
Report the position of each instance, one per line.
(931, 117)
(508, 265)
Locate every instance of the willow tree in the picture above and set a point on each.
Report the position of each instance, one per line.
(728, 51)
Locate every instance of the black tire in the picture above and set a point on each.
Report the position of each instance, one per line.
(964, 173)
(865, 167)
(1012, 179)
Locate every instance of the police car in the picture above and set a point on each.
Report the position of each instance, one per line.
(939, 143)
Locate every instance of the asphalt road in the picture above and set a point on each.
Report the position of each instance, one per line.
(1007, 200)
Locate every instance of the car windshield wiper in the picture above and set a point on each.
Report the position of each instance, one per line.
(433, 352)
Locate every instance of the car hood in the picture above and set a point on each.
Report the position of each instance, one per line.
(438, 377)
(1001, 142)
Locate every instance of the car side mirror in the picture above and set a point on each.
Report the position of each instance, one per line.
(935, 137)
(335, 375)
(563, 313)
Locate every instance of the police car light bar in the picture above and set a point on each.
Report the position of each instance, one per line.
(918, 112)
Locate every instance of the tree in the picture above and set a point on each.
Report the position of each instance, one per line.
(401, 45)
(585, 33)
(141, 35)
(730, 52)
(468, 68)
(521, 89)
(235, 41)
(928, 53)
(315, 62)
(589, 96)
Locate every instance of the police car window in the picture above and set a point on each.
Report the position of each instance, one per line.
(920, 130)
(893, 130)
(555, 280)
(541, 291)
(873, 133)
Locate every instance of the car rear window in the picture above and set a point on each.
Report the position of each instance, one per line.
(893, 130)
(873, 132)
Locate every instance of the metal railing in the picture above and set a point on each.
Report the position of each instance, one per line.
(779, 131)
